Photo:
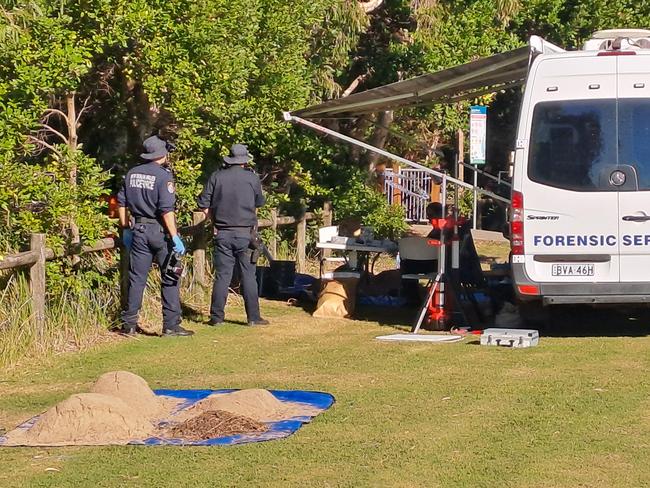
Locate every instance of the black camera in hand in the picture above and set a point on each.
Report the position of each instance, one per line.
(255, 245)
(174, 267)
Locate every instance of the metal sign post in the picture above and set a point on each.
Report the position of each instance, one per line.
(477, 146)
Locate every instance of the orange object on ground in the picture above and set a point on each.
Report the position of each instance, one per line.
(111, 200)
(112, 207)
(437, 310)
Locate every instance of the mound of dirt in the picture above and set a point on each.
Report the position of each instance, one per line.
(132, 390)
(85, 419)
(214, 424)
(121, 408)
(257, 404)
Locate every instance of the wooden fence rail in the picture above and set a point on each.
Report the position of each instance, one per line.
(37, 255)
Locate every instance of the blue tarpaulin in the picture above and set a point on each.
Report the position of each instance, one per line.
(318, 402)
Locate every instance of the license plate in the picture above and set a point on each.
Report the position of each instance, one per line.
(572, 270)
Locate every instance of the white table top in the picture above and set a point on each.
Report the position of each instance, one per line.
(351, 247)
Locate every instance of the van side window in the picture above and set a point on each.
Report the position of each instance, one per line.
(634, 137)
(573, 143)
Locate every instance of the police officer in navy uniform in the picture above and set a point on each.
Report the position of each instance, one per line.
(149, 194)
(232, 196)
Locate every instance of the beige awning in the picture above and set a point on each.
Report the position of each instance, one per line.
(461, 82)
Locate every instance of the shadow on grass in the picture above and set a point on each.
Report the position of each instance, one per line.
(189, 312)
(561, 322)
(585, 321)
(396, 317)
(567, 321)
(401, 318)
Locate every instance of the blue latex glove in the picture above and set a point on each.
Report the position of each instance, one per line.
(179, 247)
(127, 238)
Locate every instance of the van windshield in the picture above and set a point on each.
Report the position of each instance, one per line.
(573, 143)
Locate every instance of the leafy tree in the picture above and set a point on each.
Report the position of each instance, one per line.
(205, 73)
(36, 195)
(212, 73)
(569, 24)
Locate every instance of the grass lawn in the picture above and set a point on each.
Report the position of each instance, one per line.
(571, 412)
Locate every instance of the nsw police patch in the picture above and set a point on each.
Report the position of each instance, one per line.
(170, 187)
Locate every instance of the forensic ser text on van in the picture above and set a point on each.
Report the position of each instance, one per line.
(570, 240)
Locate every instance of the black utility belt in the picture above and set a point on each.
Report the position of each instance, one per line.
(241, 231)
(146, 220)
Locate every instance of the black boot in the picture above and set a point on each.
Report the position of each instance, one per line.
(258, 322)
(177, 331)
(128, 331)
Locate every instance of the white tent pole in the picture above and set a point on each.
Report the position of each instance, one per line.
(292, 118)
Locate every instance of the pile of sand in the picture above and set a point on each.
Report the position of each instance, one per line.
(214, 424)
(257, 404)
(85, 419)
(132, 390)
(120, 408)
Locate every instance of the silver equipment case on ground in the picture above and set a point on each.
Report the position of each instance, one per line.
(510, 337)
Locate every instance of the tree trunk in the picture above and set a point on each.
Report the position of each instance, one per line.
(358, 132)
(379, 137)
(71, 121)
(142, 120)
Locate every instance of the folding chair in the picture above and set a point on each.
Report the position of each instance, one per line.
(418, 253)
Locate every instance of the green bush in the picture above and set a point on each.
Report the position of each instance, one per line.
(40, 198)
(371, 206)
(466, 203)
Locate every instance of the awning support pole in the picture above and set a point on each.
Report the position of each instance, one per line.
(292, 118)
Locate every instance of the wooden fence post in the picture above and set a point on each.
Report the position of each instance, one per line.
(124, 275)
(327, 214)
(37, 282)
(327, 221)
(274, 235)
(301, 243)
(199, 248)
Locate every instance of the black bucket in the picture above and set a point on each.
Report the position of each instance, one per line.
(282, 273)
(266, 288)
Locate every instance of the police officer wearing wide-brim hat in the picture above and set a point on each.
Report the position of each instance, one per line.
(149, 194)
(232, 196)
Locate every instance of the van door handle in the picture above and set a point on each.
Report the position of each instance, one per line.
(636, 218)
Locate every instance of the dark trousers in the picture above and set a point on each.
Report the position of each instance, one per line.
(149, 243)
(230, 249)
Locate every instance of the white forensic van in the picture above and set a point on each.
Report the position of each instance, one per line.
(580, 214)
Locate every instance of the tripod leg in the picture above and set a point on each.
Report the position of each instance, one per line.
(425, 305)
